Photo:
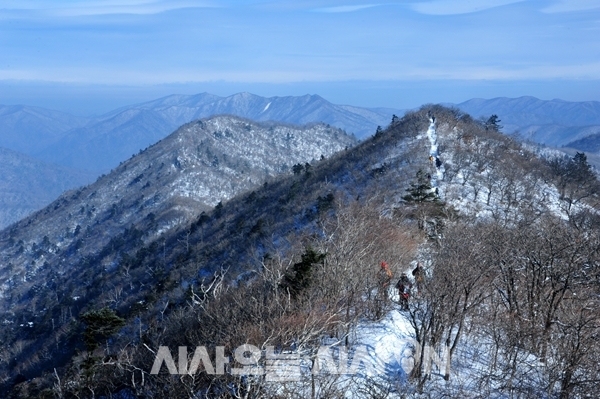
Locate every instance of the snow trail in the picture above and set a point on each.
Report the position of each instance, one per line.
(434, 155)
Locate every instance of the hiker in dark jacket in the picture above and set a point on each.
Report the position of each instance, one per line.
(404, 285)
(419, 275)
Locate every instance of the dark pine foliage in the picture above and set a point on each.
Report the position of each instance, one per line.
(100, 324)
(421, 190)
(301, 276)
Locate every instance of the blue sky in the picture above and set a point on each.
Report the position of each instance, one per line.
(91, 56)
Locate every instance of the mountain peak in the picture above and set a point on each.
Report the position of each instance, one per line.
(137, 245)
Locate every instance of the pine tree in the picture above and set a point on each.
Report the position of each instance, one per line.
(421, 190)
(100, 324)
(579, 170)
(301, 276)
(493, 123)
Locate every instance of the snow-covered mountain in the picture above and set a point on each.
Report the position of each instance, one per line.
(107, 140)
(295, 263)
(144, 199)
(89, 146)
(101, 143)
(198, 166)
(29, 130)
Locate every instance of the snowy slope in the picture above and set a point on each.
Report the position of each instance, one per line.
(163, 187)
(351, 206)
(111, 138)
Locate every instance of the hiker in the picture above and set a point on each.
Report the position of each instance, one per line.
(404, 285)
(431, 117)
(385, 278)
(419, 275)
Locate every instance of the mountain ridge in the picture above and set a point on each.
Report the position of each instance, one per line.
(28, 129)
(120, 133)
(352, 206)
(551, 122)
(101, 143)
(28, 184)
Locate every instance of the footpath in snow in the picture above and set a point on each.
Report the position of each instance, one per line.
(390, 342)
(434, 155)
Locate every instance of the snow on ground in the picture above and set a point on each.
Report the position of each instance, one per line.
(392, 347)
(389, 341)
(378, 359)
(485, 189)
(434, 155)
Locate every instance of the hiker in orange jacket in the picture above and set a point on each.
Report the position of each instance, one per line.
(385, 278)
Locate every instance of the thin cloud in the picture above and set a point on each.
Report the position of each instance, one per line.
(455, 7)
(525, 72)
(349, 8)
(572, 6)
(89, 8)
(325, 73)
(16, 74)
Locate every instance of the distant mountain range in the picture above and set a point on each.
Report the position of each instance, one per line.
(145, 243)
(109, 139)
(90, 146)
(30, 130)
(99, 144)
(27, 184)
(555, 123)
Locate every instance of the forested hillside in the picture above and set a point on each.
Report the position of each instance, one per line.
(28, 184)
(111, 138)
(506, 236)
